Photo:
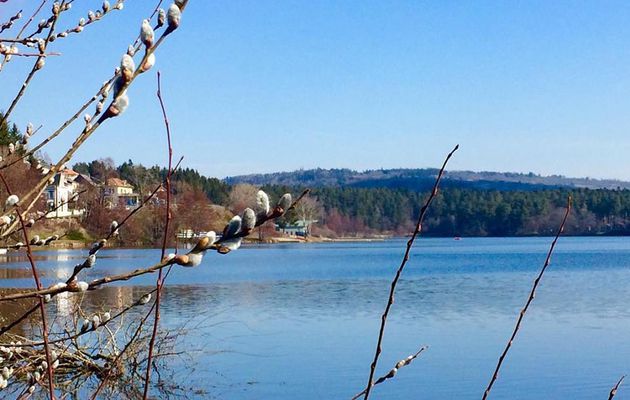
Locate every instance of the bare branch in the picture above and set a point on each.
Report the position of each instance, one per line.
(392, 289)
(530, 298)
(613, 391)
(167, 220)
(392, 372)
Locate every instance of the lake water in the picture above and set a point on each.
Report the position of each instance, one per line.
(300, 321)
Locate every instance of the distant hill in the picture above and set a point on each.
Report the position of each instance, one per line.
(422, 179)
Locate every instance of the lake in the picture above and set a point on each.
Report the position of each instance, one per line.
(300, 321)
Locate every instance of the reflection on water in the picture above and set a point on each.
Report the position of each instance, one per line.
(299, 321)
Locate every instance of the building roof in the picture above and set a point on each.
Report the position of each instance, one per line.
(82, 178)
(68, 171)
(117, 182)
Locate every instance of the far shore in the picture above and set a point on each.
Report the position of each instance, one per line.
(79, 244)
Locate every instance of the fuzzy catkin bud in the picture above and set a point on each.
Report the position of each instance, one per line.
(119, 105)
(12, 201)
(105, 6)
(41, 61)
(90, 261)
(181, 4)
(285, 202)
(161, 17)
(174, 15)
(127, 67)
(262, 203)
(145, 299)
(150, 62)
(248, 220)
(146, 33)
(233, 227)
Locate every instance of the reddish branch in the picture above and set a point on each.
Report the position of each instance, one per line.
(530, 298)
(167, 219)
(29, 254)
(392, 290)
(613, 391)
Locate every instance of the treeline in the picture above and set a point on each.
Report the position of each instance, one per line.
(455, 212)
(144, 178)
(468, 212)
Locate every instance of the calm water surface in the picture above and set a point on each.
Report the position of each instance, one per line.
(300, 321)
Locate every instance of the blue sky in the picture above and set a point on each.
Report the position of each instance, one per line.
(262, 86)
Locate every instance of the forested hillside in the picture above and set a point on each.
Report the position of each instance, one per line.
(464, 208)
(471, 212)
(421, 179)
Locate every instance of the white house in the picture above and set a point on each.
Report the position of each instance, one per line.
(60, 194)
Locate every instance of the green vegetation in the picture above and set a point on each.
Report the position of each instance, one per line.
(471, 212)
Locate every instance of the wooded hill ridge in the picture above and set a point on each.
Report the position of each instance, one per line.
(422, 179)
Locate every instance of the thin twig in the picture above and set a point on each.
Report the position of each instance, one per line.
(613, 391)
(167, 219)
(34, 69)
(29, 254)
(31, 19)
(392, 372)
(530, 298)
(34, 193)
(392, 289)
(133, 338)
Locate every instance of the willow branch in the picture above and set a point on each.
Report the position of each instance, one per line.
(38, 284)
(392, 289)
(34, 69)
(392, 372)
(34, 193)
(167, 220)
(133, 338)
(31, 19)
(530, 298)
(613, 391)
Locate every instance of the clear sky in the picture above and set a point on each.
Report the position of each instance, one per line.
(263, 86)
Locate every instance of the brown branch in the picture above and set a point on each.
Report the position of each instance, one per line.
(9, 23)
(34, 69)
(133, 338)
(530, 298)
(167, 219)
(613, 391)
(34, 193)
(61, 128)
(31, 18)
(79, 334)
(38, 284)
(392, 289)
(259, 221)
(54, 53)
(392, 372)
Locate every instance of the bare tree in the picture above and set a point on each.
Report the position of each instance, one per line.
(307, 212)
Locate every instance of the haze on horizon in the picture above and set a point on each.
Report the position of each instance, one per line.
(256, 87)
